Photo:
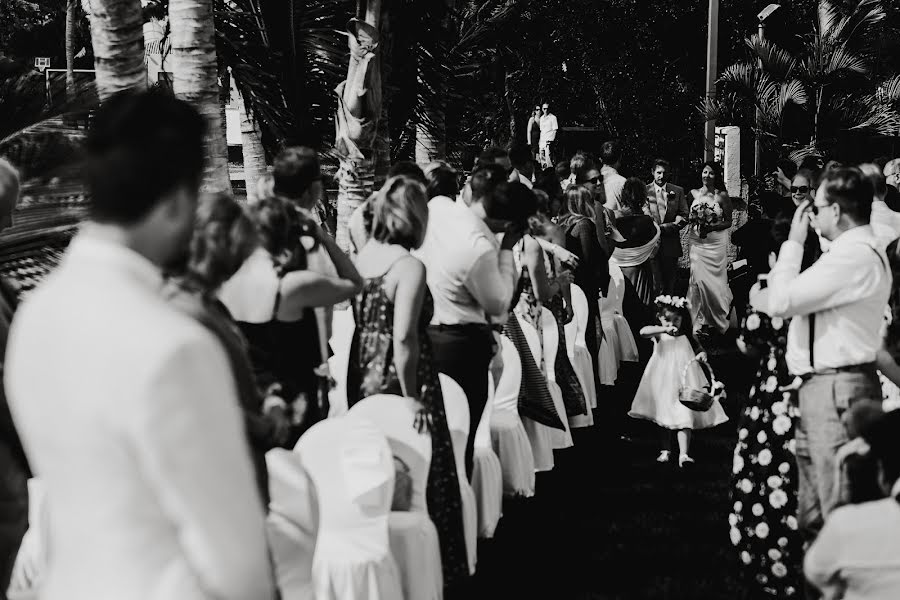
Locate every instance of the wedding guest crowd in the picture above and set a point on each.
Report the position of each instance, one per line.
(187, 343)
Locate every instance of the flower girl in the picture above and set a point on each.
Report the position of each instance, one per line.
(657, 398)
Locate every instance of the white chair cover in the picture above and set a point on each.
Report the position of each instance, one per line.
(540, 436)
(508, 434)
(292, 524)
(615, 326)
(30, 568)
(350, 463)
(561, 439)
(342, 328)
(456, 405)
(487, 474)
(413, 537)
(580, 357)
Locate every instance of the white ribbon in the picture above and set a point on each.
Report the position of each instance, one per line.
(633, 257)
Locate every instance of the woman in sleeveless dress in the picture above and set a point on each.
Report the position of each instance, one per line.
(709, 294)
(272, 298)
(391, 351)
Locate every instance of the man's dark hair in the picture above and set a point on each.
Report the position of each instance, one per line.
(519, 155)
(851, 190)
(661, 162)
(611, 153)
(442, 181)
(562, 170)
(788, 167)
(294, 170)
(141, 146)
(517, 204)
(489, 182)
(580, 164)
(490, 156)
(407, 169)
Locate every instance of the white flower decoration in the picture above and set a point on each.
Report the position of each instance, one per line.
(762, 530)
(757, 510)
(742, 434)
(777, 323)
(754, 413)
(771, 384)
(778, 499)
(791, 522)
(764, 457)
(774, 482)
(774, 554)
(745, 557)
(786, 396)
(772, 363)
(782, 542)
(738, 506)
(761, 437)
(735, 536)
(779, 570)
(792, 446)
(738, 464)
(733, 519)
(746, 486)
(753, 322)
(781, 425)
(783, 468)
(779, 408)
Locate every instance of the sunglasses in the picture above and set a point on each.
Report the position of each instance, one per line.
(799, 189)
(594, 180)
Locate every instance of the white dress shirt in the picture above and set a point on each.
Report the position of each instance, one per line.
(549, 127)
(130, 417)
(662, 201)
(469, 278)
(613, 184)
(885, 223)
(847, 289)
(857, 554)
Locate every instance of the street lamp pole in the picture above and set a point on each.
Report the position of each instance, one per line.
(712, 50)
(757, 145)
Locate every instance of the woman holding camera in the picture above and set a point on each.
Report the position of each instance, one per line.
(273, 296)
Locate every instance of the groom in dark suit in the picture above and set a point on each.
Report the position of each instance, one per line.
(669, 208)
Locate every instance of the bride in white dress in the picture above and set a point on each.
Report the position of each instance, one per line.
(709, 294)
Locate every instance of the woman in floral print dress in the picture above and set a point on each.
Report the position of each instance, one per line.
(764, 480)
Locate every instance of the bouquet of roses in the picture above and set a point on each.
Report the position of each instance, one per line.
(705, 212)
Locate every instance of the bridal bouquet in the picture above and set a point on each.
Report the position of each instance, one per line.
(705, 212)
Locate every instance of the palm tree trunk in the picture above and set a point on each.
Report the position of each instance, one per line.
(253, 151)
(117, 36)
(357, 117)
(196, 81)
(71, 22)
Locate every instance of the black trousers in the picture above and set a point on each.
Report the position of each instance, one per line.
(464, 353)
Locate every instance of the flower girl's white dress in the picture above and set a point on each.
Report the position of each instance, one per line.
(657, 397)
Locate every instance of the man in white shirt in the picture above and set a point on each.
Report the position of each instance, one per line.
(127, 409)
(472, 279)
(549, 127)
(836, 308)
(613, 183)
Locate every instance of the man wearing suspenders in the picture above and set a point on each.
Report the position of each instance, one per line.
(836, 308)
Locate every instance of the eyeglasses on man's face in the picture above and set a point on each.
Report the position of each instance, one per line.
(545, 108)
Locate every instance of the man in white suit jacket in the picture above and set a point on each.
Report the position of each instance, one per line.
(127, 409)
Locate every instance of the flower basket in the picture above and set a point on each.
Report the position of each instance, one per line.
(700, 400)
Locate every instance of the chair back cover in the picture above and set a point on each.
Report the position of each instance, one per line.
(506, 397)
(483, 433)
(456, 405)
(612, 303)
(551, 342)
(292, 492)
(580, 308)
(351, 466)
(395, 417)
(342, 328)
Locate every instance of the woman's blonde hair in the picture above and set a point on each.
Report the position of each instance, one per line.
(400, 213)
(224, 236)
(580, 201)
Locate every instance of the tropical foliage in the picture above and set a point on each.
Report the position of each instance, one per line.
(810, 98)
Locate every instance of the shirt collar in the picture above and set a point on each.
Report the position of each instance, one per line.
(115, 256)
(659, 188)
(863, 233)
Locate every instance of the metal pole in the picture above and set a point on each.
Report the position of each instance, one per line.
(712, 51)
(757, 146)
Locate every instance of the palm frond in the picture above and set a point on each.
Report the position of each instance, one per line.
(828, 18)
(889, 91)
(865, 15)
(749, 81)
(865, 113)
(775, 60)
(791, 92)
(844, 61)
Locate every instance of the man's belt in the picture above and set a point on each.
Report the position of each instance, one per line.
(868, 368)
